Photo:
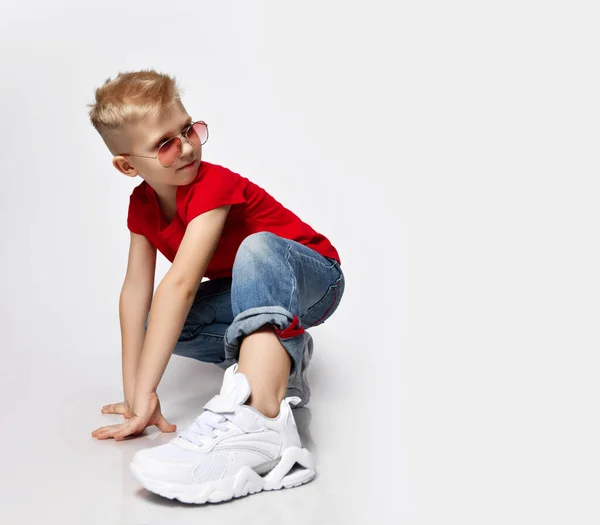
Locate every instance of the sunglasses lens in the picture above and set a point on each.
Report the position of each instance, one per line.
(169, 152)
(198, 133)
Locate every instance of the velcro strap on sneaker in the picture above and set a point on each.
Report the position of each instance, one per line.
(221, 404)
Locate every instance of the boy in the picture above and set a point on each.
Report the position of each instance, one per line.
(271, 276)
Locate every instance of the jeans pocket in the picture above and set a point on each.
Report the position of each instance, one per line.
(200, 315)
(323, 309)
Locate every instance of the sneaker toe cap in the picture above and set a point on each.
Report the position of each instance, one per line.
(166, 463)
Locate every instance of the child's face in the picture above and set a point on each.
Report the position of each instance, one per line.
(145, 137)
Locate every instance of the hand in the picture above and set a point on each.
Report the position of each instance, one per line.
(118, 408)
(146, 412)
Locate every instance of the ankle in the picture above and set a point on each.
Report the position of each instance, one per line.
(267, 407)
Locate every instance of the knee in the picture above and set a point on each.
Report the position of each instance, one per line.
(257, 244)
(256, 250)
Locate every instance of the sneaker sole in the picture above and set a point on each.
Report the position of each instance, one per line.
(295, 468)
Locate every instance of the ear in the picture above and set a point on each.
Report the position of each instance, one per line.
(122, 165)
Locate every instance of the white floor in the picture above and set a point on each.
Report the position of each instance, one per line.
(55, 472)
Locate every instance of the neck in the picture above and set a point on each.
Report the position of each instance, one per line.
(165, 192)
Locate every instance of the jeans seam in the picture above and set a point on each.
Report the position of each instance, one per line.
(336, 287)
(205, 334)
(189, 334)
(295, 283)
(314, 259)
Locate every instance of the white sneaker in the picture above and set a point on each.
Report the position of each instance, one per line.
(229, 451)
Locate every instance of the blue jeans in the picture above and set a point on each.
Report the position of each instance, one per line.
(274, 281)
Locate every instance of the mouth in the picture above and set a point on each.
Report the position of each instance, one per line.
(188, 165)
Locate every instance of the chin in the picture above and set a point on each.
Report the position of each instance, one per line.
(188, 176)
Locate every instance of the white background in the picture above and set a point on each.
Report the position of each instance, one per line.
(449, 150)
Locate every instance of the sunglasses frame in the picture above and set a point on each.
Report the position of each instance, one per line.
(183, 134)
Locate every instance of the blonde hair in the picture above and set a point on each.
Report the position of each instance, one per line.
(129, 98)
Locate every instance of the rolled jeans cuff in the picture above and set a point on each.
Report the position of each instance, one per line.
(288, 329)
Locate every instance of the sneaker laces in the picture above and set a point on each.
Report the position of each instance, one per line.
(206, 427)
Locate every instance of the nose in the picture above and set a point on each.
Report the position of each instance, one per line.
(187, 149)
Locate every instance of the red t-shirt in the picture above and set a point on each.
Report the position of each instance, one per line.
(253, 210)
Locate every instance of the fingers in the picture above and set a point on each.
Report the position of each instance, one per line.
(118, 408)
(118, 432)
(164, 426)
(132, 427)
(114, 408)
(105, 432)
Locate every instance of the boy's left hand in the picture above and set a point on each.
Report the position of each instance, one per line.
(145, 413)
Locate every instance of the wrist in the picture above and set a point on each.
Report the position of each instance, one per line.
(128, 395)
(142, 388)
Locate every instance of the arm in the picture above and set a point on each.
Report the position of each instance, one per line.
(134, 305)
(174, 297)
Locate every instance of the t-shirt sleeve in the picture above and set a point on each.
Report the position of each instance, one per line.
(134, 223)
(218, 187)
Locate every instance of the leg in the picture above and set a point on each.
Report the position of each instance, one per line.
(279, 288)
(202, 336)
(277, 282)
(266, 364)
